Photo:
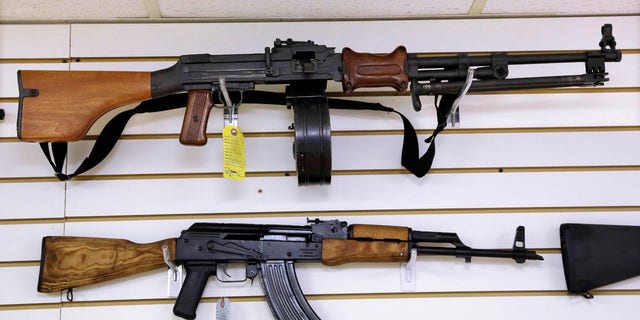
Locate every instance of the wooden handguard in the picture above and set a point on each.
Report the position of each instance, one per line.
(69, 262)
(338, 251)
(194, 124)
(58, 106)
(369, 231)
(372, 70)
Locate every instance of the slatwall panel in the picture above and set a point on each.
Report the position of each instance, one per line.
(536, 159)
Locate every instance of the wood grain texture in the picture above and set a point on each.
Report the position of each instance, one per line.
(373, 70)
(69, 102)
(369, 231)
(337, 251)
(194, 124)
(69, 262)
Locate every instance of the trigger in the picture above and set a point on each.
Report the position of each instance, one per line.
(224, 269)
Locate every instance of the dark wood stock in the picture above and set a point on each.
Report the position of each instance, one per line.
(194, 124)
(61, 106)
(69, 262)
(339, 251)
(372, 70)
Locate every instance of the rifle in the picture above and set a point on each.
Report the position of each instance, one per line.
(267, 250)
(61, 106)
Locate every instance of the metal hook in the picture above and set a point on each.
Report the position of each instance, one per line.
(70, 294)
(167, 259)
(230, 109)
(225, 93)
(454, 114)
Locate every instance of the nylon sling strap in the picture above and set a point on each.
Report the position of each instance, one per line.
(56, 152)
(411, 159)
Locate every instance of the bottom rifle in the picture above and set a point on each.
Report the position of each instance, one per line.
(267, 250)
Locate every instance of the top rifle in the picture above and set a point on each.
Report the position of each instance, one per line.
(61, 106)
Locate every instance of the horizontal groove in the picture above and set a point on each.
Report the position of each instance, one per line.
(30, 179)
(209, 175)
(175, 136)
(121, 59)
(319, 297)
(7, 264)
(125, 59)
(178, 20)
(384, 93)
(476, 294)
(333, 213)
(143, 59)
(175, 58)
(8, 307)
(33, 60)
(399, 171)
(9, 100)
(32, 221)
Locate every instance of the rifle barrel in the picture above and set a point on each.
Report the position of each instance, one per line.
(468, 253)
(487, 60)
(454, 87)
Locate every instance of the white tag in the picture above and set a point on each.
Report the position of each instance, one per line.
(408, 272)
(223, 309)
(174, 281)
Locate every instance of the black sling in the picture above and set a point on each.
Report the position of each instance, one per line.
(56, 152)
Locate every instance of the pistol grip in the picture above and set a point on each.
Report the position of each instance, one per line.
(192, 289)
(372, 70)
(194, 124)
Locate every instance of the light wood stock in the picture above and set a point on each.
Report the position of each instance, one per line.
(376, 232)
(58, 106)
(69, 262)
(338, 251)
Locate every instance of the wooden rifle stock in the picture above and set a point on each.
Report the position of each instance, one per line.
(69, 262)
(58, 106)
(368, 243)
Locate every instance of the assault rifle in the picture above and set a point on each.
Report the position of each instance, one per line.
(267, 250)
(61, 106)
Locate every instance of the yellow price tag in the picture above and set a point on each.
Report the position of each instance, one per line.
(233, 146)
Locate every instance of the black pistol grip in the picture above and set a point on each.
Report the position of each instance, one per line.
(283, 292)
(192, 289)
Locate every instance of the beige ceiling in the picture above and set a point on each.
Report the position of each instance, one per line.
(101, 10)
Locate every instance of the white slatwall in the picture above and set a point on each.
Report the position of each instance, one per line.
(567, 157)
